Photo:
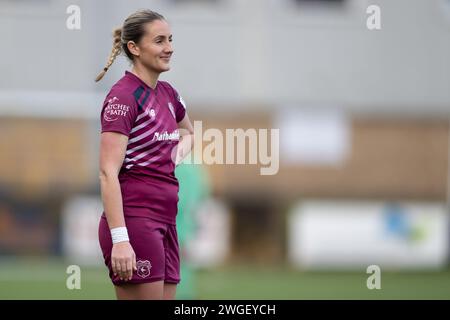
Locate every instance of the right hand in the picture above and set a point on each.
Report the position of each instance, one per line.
(123, 260)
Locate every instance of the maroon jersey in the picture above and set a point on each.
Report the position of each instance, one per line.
(149, 118)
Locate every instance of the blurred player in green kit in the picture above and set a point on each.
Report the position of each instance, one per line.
(194, 189)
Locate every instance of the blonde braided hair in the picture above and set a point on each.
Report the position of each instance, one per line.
(116, 50)
(132, 30)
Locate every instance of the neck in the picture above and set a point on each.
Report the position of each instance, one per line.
(149, 77)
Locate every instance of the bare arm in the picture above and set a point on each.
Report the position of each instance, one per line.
(112, 153)
(186, 139)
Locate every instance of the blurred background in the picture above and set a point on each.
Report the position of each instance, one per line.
(364, 146)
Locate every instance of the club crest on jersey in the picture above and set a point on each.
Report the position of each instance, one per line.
(143, 268)
(172, 110)
(150, 112)
(113, 110)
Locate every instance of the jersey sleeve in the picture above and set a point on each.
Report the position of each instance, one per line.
(180, 106)
(119, 113)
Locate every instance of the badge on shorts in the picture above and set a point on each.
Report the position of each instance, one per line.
(143, 268)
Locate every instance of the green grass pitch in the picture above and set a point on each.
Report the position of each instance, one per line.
(37, 279)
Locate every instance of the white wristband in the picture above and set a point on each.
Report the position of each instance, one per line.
(119, 234)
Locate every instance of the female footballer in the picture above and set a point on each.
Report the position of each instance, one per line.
(145, 134)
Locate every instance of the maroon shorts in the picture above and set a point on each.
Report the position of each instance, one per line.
(155, 245)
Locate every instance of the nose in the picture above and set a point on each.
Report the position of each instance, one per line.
(168, 48)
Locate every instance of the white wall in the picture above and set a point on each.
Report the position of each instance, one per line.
(267, 52)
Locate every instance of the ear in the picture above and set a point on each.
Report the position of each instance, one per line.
(133, 48)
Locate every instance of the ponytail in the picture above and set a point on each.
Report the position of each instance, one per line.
(116, 49)
(132, 30)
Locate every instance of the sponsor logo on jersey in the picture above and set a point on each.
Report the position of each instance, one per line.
(165, 136)
(114, 110)
(113, 99)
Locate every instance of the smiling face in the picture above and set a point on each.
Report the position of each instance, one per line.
(154, 49)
